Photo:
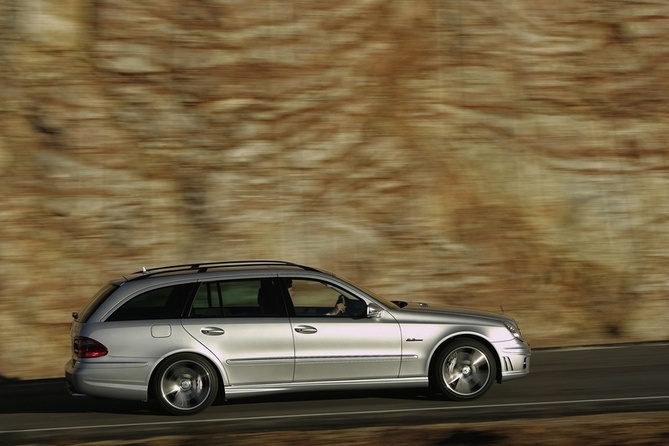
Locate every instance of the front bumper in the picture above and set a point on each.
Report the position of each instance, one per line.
(514, 359)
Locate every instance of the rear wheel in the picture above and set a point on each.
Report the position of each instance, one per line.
(185, 384)
(464, 370)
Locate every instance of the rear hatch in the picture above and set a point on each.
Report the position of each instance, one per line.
(81, 317)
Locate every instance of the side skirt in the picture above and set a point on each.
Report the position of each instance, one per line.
(232, 392)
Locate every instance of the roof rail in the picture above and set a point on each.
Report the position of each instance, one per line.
(203, 267)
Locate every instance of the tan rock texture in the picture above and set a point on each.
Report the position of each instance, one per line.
(478, 153)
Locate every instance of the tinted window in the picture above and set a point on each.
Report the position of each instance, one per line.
(208, 301)
(238, 298)
(94, 303)
(160, 303)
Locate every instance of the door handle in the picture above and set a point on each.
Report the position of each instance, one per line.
(212, 331)
(305, 329)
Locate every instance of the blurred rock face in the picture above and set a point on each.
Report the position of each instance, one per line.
(471, 153)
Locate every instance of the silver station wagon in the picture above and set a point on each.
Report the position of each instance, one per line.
(187, 334)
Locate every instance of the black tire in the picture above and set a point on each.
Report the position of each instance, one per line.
(185, 384)
(464, 370)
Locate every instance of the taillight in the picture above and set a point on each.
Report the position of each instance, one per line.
(88, 348)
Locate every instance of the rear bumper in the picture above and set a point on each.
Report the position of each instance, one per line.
(105, 380)
(71, 384)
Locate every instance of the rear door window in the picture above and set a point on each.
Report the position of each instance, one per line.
(238, 298)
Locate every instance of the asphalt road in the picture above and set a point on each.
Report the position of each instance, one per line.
(562, 382)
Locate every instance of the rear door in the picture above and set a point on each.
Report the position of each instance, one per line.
(254, 342)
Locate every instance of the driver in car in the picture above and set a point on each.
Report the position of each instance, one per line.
(339, 308)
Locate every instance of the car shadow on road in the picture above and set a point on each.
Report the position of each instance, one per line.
(50, 396)
(396, 394)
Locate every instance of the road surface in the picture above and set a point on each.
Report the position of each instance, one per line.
(562, 382)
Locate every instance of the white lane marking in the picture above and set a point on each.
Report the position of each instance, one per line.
(578, 348)
(330, 414)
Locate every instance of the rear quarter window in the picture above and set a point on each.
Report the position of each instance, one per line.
(159, 303)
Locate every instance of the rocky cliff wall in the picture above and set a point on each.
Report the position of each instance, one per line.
(486, 154)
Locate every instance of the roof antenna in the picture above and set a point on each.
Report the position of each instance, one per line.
(501, 307)
(144, 271)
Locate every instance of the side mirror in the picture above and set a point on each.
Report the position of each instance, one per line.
(374, 310)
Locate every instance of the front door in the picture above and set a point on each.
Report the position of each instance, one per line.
(335, 341)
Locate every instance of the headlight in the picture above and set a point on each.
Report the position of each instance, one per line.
(514, 329)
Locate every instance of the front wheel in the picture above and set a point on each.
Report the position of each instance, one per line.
(464, 370)
(185, 384)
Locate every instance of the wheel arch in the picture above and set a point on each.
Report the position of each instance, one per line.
(460, 336)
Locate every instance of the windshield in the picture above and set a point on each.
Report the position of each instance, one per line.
(382, 300)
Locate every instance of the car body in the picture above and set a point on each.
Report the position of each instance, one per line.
(185, 334)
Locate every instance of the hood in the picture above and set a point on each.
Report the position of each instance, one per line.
(427, 308)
